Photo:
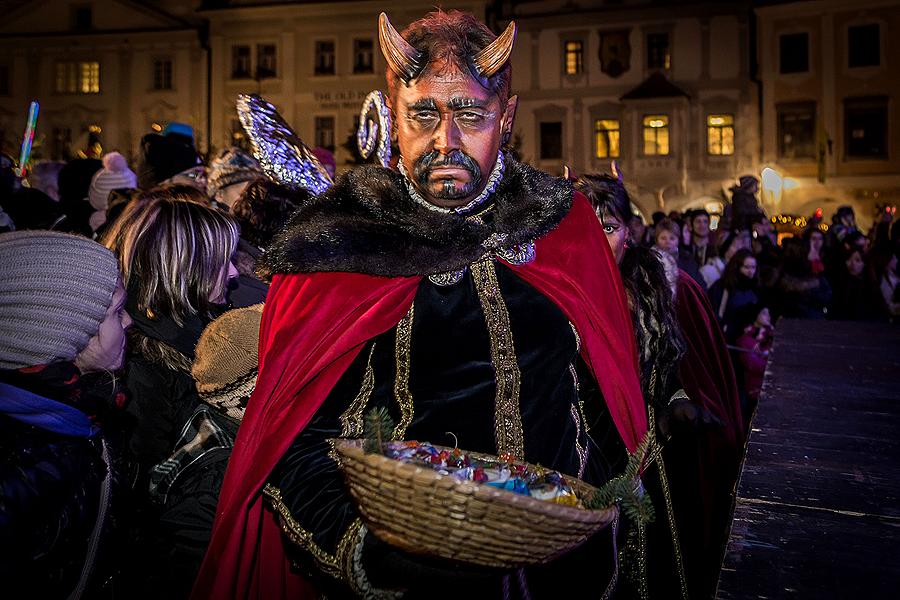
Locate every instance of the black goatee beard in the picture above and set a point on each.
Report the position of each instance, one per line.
(425, 164)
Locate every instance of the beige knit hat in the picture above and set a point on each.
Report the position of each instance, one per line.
(230, 167)
(226, 360)
(55, 289)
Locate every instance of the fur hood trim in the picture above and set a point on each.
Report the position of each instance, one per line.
(367, 223)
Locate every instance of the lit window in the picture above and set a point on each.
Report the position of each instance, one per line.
(89, 82)
(266, 61)
(324, 58)
(162, 74)
(658, 55)
(325, 132)
(574, 58)
(656, 135)
(77, 78)
(606, 133)
(720, 134)
(362, 56)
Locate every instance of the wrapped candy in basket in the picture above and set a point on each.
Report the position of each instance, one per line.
(469, 507)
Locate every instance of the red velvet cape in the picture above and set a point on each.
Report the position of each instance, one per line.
(313, 327)
(703, 482)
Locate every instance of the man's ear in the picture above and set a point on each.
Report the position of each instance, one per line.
(509, 118)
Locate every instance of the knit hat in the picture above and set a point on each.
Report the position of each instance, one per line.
(115, 174)
(55, 289)
(230, 167)
(226, 360)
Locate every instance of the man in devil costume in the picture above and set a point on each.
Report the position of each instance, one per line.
(465, 293)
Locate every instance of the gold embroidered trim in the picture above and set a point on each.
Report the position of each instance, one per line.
(345, 548)
(299, 536)
(579, 449)
(401, 381)
(508, 430)
(352, 419)
(670, 511)
(577, 337)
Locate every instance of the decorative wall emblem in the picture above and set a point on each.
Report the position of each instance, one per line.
(615, 52)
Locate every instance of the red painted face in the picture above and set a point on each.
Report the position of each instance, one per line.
(449, 130)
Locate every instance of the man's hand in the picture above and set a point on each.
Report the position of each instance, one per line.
(683, 416)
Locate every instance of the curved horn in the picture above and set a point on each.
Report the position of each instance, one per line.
(401, 57)
(494, 56)
(617, 173)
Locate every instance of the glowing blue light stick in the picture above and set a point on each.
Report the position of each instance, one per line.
(28, 138)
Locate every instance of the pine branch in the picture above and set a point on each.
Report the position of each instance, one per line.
(378, 429)
(623, 491)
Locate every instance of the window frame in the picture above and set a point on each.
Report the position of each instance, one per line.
(76, 80)
(577, 54)
(645, 127)
(171, 75)
(257, 60)
(720, 128)
(668, 65)
(784, 108)
(356, 52)
(779, 64)
(879, 45)
(334, 56)
(334, 121)
(540, 148)
(618, 136)
(248, 74)
(881, 102)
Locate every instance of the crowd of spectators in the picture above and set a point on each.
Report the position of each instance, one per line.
(130, 310)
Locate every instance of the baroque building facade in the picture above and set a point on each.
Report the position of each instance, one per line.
(831, 105)
(315, 61)
(662, 88)
(104, 72)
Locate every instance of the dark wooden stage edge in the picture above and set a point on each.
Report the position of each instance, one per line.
(818, 502)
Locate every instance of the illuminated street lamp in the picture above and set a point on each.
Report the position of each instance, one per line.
(773, 183)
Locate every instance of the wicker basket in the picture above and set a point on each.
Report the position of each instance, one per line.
(421, 511)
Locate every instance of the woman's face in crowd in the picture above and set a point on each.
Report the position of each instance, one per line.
(855, 264)
(816, 241)
(667, 241)
(106, 350)
(616, 235)
(764, 319)
(748, 268)
(229, 272)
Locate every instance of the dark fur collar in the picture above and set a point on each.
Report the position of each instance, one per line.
(367, 223)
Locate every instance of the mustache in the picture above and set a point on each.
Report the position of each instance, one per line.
(429, 161)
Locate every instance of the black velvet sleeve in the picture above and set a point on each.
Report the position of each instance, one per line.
(306, 489)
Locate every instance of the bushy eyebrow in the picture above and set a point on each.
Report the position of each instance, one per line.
(459, 103)
(423, 104)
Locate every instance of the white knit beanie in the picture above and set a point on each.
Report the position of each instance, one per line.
(114, 174)
(55, 289)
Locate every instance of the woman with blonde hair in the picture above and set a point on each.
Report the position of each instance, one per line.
(175, 254)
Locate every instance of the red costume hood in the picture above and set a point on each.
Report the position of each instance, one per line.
(313, 327)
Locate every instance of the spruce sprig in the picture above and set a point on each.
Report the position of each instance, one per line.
(378, 429)
(621, 490)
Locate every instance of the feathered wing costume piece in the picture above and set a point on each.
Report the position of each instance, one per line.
(374, 131)
(282, 154)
